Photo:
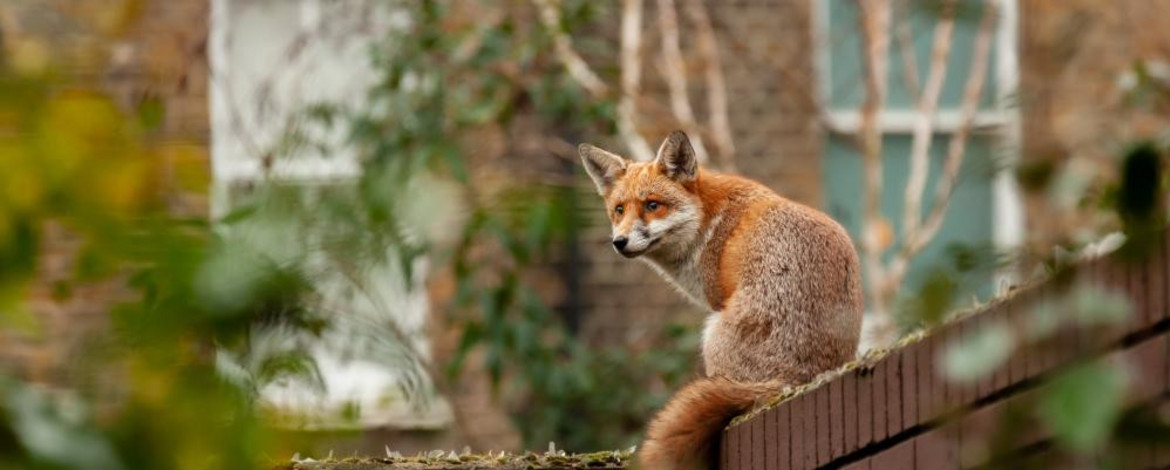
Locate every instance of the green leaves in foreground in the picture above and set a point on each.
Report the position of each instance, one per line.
(979, 355)
(1085, 306)
(55, 431)
(1083, 405)
(1080, 407)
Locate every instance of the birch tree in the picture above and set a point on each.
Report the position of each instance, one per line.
(673, 67)
(885, 275)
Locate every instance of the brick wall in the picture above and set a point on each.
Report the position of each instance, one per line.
(767, 52)
(897, 411)
(1073, 55)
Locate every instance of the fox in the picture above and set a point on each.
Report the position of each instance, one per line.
(781, 283)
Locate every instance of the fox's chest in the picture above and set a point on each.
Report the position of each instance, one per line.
(687, 277)
(685, 269)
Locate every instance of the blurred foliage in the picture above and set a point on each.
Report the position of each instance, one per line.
(958, 277)
(206, 315)
(459, 68)
(1083, 406)
(146, 393)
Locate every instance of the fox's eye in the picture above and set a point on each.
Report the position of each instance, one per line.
(619, 209)
(651, 206)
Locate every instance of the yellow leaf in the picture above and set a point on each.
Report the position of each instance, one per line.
(190, 165)
(15, 315)
(29, 56)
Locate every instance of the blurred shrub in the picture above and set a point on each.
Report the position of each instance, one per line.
(1083, 406)
(465, 69)
(71, 157)
(211, 314)
(147, 392)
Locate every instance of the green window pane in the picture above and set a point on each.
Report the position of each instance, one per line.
(845, 67)
(967, 225)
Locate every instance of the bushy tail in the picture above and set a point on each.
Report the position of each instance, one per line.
(682, 435)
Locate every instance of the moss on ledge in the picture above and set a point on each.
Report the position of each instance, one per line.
(446, 460)
(871, 358)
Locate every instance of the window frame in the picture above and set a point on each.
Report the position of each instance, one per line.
(227, 168)
(235, 166)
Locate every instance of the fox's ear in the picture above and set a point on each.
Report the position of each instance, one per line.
(677, 158)
(605, 168)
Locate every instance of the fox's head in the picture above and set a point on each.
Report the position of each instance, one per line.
(653, 205)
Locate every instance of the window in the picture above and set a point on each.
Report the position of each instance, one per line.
(985, 209)
(271, 59)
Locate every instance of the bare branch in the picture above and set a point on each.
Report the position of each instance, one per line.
(550, 15)
(905, 37)
(875, 20)
(579, 70)
(915, 241)
(924, 121)
(675, 74)
(958, 144)
(720, 125)
(631, 44)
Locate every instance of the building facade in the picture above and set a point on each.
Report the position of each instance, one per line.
(792, 71)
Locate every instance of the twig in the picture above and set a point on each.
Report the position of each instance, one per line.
(875, 20)
(968, 109)
(905, 37)
(915, 242)
(550, 15)
(579, 70)
(219, 39)
(924, 121)
(631, 44)
(675, 74)
(720, 125)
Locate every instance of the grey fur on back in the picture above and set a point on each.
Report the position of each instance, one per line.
(797, 310)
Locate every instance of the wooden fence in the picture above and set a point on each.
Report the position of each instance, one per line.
(897, 412)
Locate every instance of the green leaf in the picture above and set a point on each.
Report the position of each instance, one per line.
(1086, 305)
(455, 161)
(1139, 192)
(151, 113)
(238, 214)
(57, 431)
(979, 355)
(1096, 306)
(1082, 406)
(1043, 320)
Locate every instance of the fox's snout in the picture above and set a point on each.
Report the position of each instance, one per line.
(633, 244)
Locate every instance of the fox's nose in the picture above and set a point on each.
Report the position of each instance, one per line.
(620, 243)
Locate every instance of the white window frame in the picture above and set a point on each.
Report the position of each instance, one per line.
(228, 167)
(232, 165)
(1003, 119)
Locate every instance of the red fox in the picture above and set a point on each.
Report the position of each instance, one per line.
(781, 280)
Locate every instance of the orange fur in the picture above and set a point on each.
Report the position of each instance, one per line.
(736, 249)
(683, 434)
(781, 281)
